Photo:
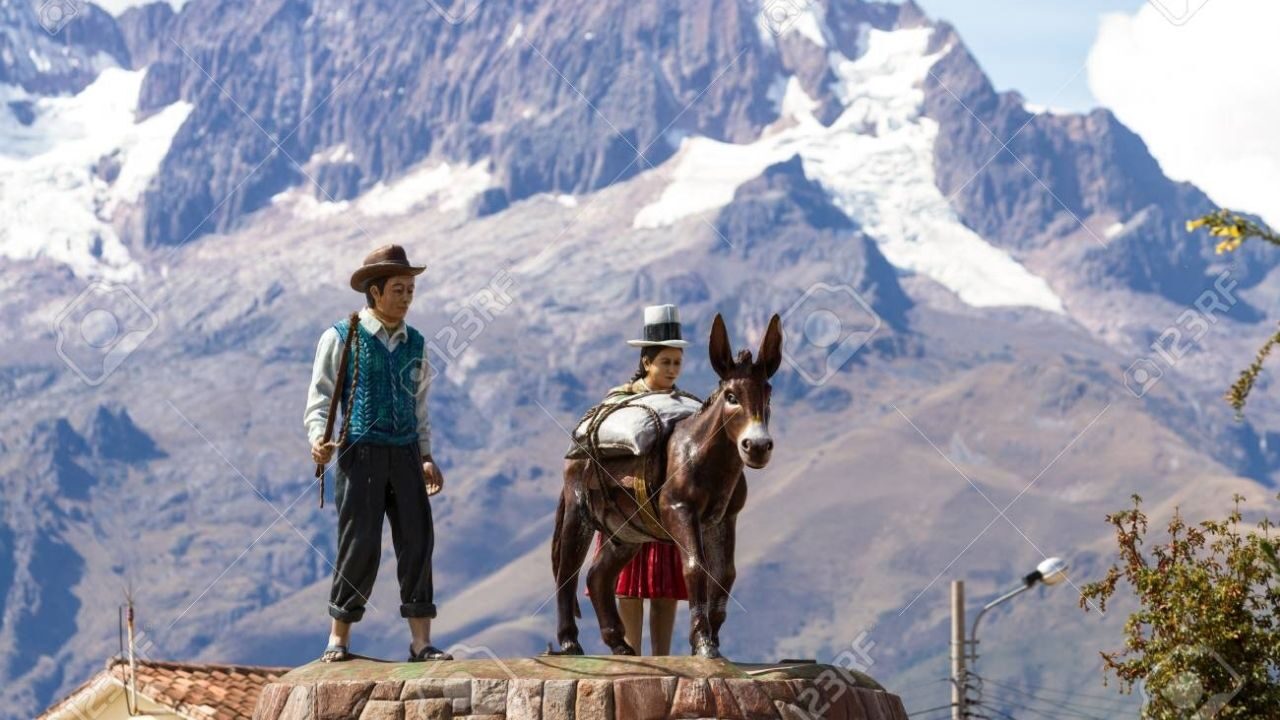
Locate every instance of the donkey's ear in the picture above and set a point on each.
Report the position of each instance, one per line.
(720, 352)
(770, 355)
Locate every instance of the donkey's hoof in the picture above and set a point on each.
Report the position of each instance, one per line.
(622, 649)
(570, 647)
(707, 650)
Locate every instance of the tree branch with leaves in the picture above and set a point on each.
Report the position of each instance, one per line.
(1233, 230)
(1205, 639)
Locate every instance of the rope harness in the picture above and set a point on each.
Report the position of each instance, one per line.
(594, 418)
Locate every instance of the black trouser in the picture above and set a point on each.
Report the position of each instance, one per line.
(372, 481)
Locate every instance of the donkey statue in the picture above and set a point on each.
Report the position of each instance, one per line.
(697, 490)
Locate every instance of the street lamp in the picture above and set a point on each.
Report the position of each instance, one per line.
(1050, 571)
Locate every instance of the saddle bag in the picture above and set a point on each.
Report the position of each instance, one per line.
(632, 425)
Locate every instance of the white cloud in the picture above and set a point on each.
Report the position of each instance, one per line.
(1203, 94)
(116, 7)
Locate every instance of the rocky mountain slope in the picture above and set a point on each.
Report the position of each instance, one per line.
(969, 292)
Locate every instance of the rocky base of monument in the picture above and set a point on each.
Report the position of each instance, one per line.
(585, 688)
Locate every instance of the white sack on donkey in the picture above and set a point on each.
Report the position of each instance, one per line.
(630, 425)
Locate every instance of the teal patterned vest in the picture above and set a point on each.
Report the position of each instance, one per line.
(383, 407)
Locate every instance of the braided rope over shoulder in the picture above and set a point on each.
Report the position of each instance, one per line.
(353, 337)
(355, 384)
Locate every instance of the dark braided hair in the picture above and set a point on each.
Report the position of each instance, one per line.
(650, 353)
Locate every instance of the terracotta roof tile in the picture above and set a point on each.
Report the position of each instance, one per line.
(207, 691)
(195, 690)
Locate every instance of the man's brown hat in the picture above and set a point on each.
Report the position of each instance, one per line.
(386, 261)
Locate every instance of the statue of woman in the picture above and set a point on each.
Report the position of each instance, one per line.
(655, 573)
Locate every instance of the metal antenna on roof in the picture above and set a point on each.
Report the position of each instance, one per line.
(131, 698)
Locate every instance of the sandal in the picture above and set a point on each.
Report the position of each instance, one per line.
(335, 653)
(429, 652)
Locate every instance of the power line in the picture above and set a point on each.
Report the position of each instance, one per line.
(948, 706)
(1010, 717)
(1028, 708)
(1066, 710)
(1072, 693)
(927, 684)
(1059, 701)
(998, 712)
(1062, 705)
(1057, 709)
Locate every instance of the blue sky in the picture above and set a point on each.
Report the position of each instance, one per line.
(1162, 66)
(1037, 47)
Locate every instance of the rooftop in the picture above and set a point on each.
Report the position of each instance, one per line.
(193, 690)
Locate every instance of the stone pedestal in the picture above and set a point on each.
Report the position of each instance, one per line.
(585, 688)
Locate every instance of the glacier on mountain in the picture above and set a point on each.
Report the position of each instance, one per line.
(876, 161)
(77, 159)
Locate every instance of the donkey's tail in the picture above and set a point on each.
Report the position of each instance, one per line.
(555, 549)
(555, 539)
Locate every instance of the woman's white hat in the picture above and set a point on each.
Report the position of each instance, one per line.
(661, 327)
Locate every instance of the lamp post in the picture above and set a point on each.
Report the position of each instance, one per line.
(1051, 571)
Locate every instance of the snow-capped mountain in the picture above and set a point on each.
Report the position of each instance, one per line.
(970, 291)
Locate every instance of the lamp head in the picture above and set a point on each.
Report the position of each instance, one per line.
(1050, 571)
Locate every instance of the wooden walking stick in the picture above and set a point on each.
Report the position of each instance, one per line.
(337, 397)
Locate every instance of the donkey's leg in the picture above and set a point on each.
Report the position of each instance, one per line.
(719, 541)
(602, 579)
(687, 534)
(572, 542)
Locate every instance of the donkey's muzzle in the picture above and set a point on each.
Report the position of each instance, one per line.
(756, 450)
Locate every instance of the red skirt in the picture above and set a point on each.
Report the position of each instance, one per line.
(655, 572)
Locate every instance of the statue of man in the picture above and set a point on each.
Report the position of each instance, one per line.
(384, 464)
